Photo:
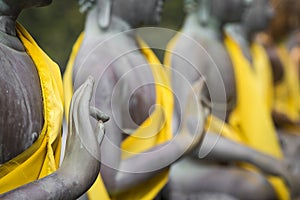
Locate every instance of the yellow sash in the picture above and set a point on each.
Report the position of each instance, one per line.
(42, 158)
(287, 93)
(252, 115)
(153, 131)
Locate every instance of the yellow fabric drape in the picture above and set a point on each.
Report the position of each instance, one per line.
(42, 158)
(67, 78)
(153, 131)
(287, 92)
(252, 116)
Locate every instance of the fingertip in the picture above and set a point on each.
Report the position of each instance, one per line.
(98, 114)
(101, 125)
(100, 131)
(105, 118)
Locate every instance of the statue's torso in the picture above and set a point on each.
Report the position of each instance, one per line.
(126, 84)
(21, 111)
(207, 56)
(223, 62)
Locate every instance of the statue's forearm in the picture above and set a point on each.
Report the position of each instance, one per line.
(62, 184)
(76, 175)
(222, 149)
(50, 187)
(225, 150)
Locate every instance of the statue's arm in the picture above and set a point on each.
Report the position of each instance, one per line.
(120, 175)
(81, 164)
(218, 148)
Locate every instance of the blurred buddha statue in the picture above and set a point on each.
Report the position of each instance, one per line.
(236, 137)
(280, 47)
(280, 42)
(138, 147)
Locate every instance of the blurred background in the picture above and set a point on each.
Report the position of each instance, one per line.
(56, 27)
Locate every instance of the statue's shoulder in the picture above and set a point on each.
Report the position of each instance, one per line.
(10, 56)
(6, 49)
(13, 54)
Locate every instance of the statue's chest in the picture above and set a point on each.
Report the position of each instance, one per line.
(140, 87)
(21, 104)
(225, 72)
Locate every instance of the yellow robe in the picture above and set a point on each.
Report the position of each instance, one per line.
(157, 128)
(42, 158)
(250, 123)
(287, 92)
(252, 115)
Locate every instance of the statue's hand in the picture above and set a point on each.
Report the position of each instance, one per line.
(272, 166)
(193, 121)
(82, 155)
(81, 164)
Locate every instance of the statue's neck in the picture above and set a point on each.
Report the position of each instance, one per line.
(214, 26)
(116, 25)
(8, 25)
(8, 36)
